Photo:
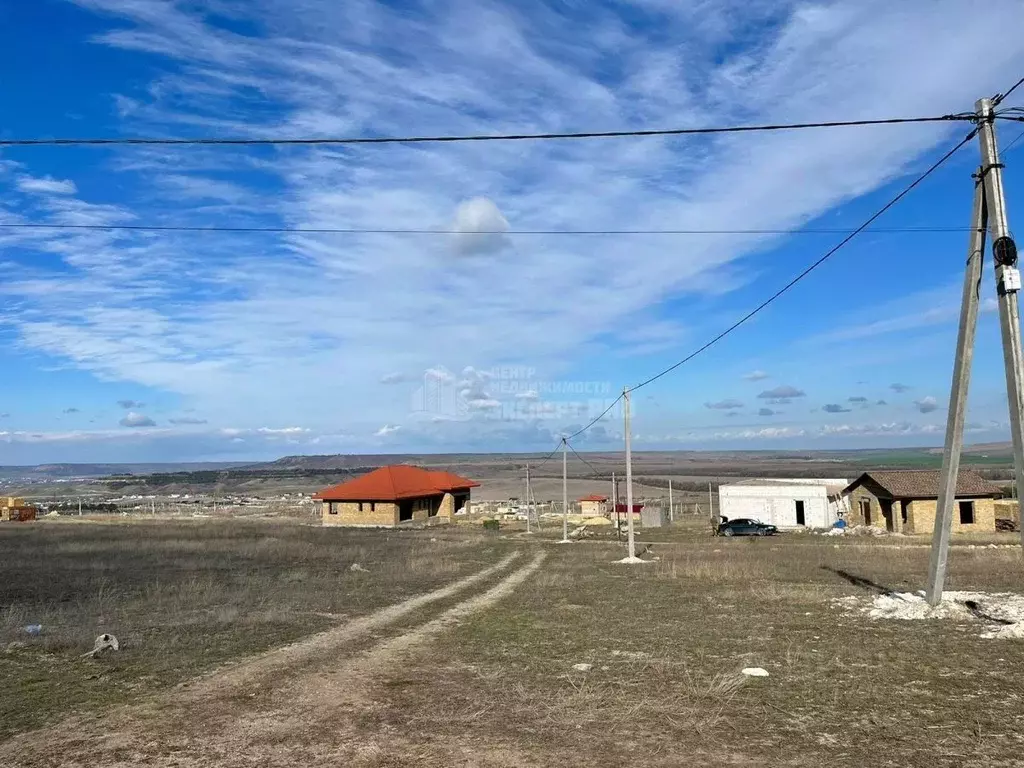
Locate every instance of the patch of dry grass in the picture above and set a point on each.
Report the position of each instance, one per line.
(667, 641)
(183, 597)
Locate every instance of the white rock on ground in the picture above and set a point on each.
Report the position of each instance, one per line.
(583, 667)
(1003, 613)
(754, 672)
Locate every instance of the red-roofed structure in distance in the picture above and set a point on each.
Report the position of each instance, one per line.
(593, 505)
(397, 495)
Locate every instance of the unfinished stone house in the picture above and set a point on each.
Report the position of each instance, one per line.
(905, 501)
(397, 495)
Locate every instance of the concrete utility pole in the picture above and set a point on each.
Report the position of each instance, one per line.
(615, 506)
(989, 213)
(527, 499)
(630, 541)
(565, 493)
(671, 513)
(711, 502)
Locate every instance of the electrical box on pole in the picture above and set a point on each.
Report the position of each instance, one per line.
(989, 213)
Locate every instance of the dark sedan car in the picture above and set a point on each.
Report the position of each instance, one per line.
(745, 527)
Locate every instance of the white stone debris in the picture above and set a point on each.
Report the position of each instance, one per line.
(1002, 614)
(754, 672)
(357, 568)
(1006, 632)
(583, 667)
(104, 642)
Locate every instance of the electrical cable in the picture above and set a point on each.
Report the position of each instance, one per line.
(814, 265)
(1010, 146)
(592, 423)
(998, 99)
(374, 231)
(593, 469)
(55, 142)
(549, 456)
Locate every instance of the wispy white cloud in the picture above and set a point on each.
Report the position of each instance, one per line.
(47, 185)
(134, 419)
(230, 323)
(757, 375)
(387, 429)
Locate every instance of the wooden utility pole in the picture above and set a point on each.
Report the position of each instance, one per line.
(989, 213)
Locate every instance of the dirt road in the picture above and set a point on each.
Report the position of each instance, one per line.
(307, 704)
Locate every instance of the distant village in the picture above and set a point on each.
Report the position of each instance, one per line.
(887, 501)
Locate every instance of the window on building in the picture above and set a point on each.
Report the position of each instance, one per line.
(360, 506)
(331, 509)
(966, 512)
(373, 506)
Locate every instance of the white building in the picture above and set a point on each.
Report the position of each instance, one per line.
(786, 503)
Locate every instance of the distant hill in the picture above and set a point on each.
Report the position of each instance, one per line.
(65, 471)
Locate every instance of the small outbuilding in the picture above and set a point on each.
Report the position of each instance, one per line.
(14, 509)
(905, 501)
(593, 505)
(786, 503)
(397, 495)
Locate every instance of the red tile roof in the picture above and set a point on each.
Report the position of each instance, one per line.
(400, 481)
(594, 497)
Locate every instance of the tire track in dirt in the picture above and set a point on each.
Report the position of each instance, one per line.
(311, 715)
(277, 660)
(90, 740)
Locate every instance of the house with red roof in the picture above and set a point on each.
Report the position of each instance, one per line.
(593, 505)
(397, 495)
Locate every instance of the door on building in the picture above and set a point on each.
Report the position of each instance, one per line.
(800, 519)
(886, 505)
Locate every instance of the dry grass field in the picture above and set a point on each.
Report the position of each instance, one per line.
(185, 597)
(482, 673)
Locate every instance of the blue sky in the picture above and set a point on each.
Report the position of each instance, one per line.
(165, 346)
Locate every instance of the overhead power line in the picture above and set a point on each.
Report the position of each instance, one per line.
(63, 142)
(420, 231)
(1002, 96)
(604, 413)
(549, 456)
(593, 469)
(906, 190)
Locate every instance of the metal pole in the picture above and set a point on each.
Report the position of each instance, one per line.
(957, 400)
(671, 513)
(630, 541)
(565, 492)
(1008, 282)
